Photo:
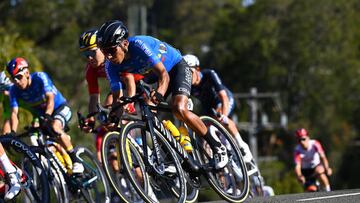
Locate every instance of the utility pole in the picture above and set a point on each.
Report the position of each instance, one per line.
(137, 22)
(252, 126)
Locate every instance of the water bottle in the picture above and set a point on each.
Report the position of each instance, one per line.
(186, 143)
(173, 130)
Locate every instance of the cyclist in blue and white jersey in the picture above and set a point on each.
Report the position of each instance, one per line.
(38, 92)
(158, 62)
(214, 95)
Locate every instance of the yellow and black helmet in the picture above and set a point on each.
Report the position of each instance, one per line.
(87, 40)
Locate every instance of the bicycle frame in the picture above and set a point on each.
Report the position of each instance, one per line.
(152, 122)
(45, 142)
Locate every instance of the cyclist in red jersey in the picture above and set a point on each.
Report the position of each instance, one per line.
(310, 160)
(95, 69)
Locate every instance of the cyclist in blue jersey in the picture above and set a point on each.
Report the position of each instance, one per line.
(6, 165)
(38, 91)
(215, 96)
(158, 62)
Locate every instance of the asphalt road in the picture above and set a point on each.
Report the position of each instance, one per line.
(340, 196)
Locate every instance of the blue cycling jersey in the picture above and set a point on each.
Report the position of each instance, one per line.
(34, 95)
(145, 52)
(208, 91)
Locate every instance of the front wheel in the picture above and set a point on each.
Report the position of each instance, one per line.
(232, 181)
(110, 156)
(34, 184)
(164, 175)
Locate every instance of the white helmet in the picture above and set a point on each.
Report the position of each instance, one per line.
(192, 60)
(5, 82)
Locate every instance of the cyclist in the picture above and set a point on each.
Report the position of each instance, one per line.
(208, 88)
(95, 70)
(5, 85)
(5, 163)
(310, 160)
(157, 61)
(38, 91)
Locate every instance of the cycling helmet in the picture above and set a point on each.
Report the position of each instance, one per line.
(192, 60)
(87, 40)
(112, 33)
(5, 82)
(16, 65)
(301, 132)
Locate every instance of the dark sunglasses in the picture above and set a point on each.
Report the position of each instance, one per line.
(17, 77)
(89, 53)
(302, 139)
(109, 50)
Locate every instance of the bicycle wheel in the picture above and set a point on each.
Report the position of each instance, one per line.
(164, 175)
(232, 181)
(111, 163)
(58, 190)
(94, 186)
(34, 184)
(193, 183)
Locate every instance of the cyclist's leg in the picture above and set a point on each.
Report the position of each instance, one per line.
(12, 174)
(320, 172)
(98, 140)
(231, 127)
(180, 79)
(62, 116)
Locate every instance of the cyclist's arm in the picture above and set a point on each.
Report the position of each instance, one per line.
(129, 81)
(14, 121)
(325, 162)
(94, 99)
(49, 103)
(164, 78)
(224, 102)
(323, 158)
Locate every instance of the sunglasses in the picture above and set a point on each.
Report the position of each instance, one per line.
(17, 77)
(89, 53)
(109, 50)
(302, 139)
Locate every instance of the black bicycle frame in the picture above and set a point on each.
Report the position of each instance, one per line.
(153, 122)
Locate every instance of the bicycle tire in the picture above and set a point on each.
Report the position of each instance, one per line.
(165, 147)
(58, 190)
(33, 174)
(235, 172)
(95, 187)
(117, 178)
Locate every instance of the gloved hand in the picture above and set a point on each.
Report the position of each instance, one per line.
(89, 124)
(48, 118)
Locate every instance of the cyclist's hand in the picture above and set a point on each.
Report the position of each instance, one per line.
(301, 179)
(11, 133)
(328, 171)
(89, 125)
(156, 97)
(48, 119)
(130, 108)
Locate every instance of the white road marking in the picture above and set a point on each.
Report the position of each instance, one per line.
(328, 197)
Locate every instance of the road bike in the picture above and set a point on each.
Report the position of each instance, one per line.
(90, 186)
(110, 158)
(169, 165)
(33, 179)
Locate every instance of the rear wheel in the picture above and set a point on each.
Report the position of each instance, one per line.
(93, 183)
(232, 181)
